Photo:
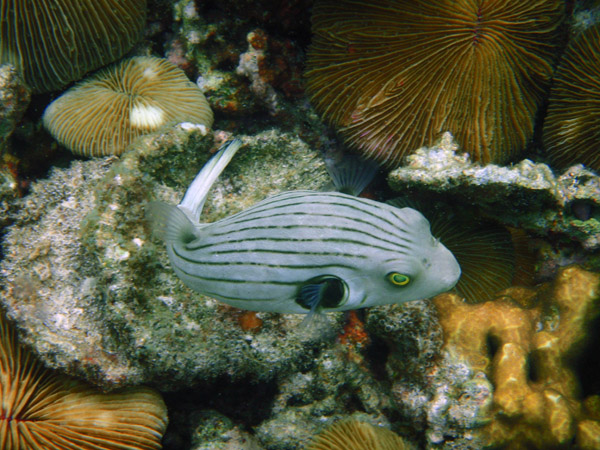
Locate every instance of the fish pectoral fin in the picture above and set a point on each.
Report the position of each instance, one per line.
(325, 291)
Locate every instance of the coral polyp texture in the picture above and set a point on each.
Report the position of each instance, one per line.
(103, 114)
(355, 435)
(45, 410)
(572, 125)
(526, 343)
(53, 42)
(392, 75)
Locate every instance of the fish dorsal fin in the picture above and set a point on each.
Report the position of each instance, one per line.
(195, 196)
(352, 174)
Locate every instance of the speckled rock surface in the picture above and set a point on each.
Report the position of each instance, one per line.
(14, 98)
(436, 392)
(93, 293)
(9, 192)
(339, 385)
(215, 431)
(538, 200)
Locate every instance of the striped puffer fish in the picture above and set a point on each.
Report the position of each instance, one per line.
(303, 251)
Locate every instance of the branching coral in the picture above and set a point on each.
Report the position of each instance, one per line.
(526, 342)
(43, 410)
(393, 75)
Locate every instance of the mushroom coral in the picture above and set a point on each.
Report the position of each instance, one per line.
(53, 42)
(43, 410)
(572, 125)
(355, 435)
(104, 113)
(393, 75)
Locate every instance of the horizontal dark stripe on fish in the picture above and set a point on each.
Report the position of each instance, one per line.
(278, 252)
(247, 215)
(272, 266)
(206, 246)
(283, 217)
(316, 227)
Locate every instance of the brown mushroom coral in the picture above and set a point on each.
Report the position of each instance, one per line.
(53, 42)
(104, 113)
(355, 435)
(41, 410)
(393, 75)
(572, 126)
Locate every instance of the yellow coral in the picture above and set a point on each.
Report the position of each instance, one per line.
(524, 342)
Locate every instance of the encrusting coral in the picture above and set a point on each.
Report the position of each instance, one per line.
(355, 435)
(526, 342)
(393, 75)
(55, 42)
(43, 410)
(572, 127)
(104, 113)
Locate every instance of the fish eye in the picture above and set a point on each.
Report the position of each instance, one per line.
(398, 279)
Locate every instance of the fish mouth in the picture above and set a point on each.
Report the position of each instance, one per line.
(450, 272)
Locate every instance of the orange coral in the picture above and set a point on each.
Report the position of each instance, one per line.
(354, 333)
(249, 321)
(40, 409)
(524, 341)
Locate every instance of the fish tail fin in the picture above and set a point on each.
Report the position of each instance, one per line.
(170, 223)
(195, 196)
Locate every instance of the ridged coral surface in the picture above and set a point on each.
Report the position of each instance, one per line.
(392, 75)
(106, 112)
(572, 125)
(43, 410)
(55, 42)
(526, 341)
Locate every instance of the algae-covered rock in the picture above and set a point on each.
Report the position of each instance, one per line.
(527, 195)
(14, 98)
(93, 293)
(339, 385)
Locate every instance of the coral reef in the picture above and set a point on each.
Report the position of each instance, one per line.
(354, 435)
(393, 75)
(539, 201)
(440, 395)
(42, 409)
(338, 385)
(14, 98)
(106, 112)
(571, 127)
(52, 44)
(252, 65)
(214, 431)
(526, 342)
(95, 295)
(508, 372)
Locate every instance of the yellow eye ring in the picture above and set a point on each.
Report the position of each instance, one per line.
(398, 279)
